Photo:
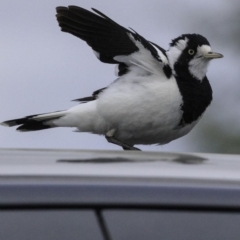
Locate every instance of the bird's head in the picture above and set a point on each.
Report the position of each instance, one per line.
(190, 54)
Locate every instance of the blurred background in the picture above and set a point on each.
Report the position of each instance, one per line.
(42, 69)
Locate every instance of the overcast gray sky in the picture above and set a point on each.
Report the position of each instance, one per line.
(42, 68)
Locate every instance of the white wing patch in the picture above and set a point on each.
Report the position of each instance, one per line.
(162, 57)
(144, 60)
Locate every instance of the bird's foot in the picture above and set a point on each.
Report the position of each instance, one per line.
(110, 138)
(131, 148)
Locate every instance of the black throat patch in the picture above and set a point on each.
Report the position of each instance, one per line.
(197, 96)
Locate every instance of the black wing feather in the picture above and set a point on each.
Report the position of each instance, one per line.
(104, 35)
(91, 98)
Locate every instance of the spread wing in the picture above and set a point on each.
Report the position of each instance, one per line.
(113, 43)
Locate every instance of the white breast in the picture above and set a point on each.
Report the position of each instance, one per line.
(143, 110)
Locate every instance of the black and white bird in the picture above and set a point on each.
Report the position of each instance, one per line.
(158, 95)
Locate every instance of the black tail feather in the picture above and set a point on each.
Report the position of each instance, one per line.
(18, 121)
(32, 125)
(34, 122)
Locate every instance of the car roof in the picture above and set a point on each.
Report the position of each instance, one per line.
(56, 178)
(119, 164)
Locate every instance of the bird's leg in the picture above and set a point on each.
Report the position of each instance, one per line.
(110, 138)
(121, 144)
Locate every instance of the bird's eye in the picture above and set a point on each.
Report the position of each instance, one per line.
(191, 51)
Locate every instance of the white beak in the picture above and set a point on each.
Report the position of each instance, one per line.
(212, 55)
